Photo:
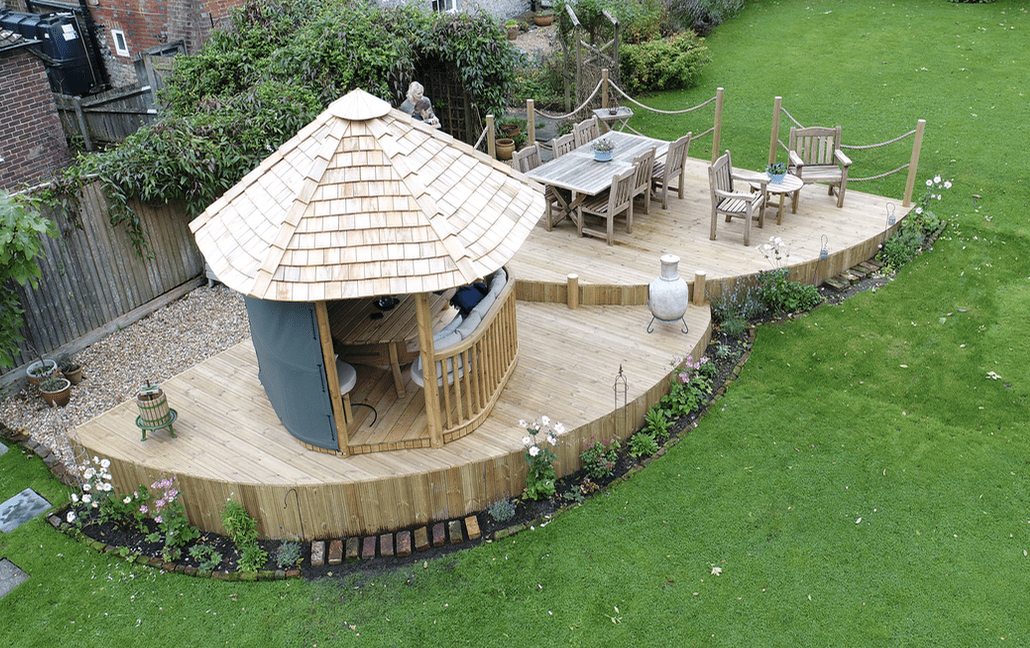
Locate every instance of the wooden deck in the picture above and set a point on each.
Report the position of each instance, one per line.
(230, 442)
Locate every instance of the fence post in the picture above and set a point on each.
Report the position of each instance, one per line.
(773, 150)
(604, 87)
(490, 148)
(718, 125)
(80, 118)
(530, 122)
(913, 164)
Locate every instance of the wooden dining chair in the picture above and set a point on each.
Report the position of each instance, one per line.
(815, 156)
(607, 206)
(672, 167)
(525, 161)
(586, 130)
(563, 144)
(643, 167)
(734, 204)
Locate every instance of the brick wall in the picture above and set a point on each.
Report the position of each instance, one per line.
(151, 23)
(32, 142)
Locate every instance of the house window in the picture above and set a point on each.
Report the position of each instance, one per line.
(120, 46)
(449, 6)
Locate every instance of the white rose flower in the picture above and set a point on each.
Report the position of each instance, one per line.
(534, 451)
(71, 517)
(546, 420)
(526, 440)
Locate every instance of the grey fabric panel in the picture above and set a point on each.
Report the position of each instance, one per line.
(291, 368)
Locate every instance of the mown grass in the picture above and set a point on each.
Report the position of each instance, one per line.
(864, 482)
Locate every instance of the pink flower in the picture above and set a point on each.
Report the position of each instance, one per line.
(143, 509)
(159, 503)
(158, 519)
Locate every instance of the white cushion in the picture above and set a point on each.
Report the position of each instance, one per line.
(448, 340)
(484, 305)
(453, 324)
(468, 327)
(346, 375)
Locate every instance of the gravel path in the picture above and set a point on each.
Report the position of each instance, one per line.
(169, 341)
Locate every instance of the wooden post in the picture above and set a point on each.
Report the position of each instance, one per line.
(429, 377)
(913, 164)
(699, 287)
(329, 358)
(718, 125)
(491, 149)
(81, 119)
(604, 87)
(530, 122)
(572, 287)
(774, 140)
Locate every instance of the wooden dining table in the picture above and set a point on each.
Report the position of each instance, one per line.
(578, 173)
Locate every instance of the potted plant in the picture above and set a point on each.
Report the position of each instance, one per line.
(544, 17)
(40, 370)
(71, 369)
(603, 148)
(513, 28)
(776, 171)
(56, 390)
(509, 127)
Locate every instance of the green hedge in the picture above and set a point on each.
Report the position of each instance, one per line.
(667, 64)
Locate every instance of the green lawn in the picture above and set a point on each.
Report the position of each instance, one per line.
(865, 483)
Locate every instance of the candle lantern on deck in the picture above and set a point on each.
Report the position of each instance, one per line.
(154, 412)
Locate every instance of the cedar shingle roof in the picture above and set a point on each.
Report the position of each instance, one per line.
(366, 201)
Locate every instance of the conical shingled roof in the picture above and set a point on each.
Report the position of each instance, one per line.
(366, 201)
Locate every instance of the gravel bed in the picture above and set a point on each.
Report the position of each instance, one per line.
(167, 342)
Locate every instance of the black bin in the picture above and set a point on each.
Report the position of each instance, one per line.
(60, 37)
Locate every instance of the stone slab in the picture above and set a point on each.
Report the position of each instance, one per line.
(421, 539)
(317, 553)
(439, 534)
(404, 544)
(454, 531)
(472, 527)
(3, 449)
(368, 548)
(386, 544)
(20, 509)
(336, 552)
(10, 576)
(352, 549)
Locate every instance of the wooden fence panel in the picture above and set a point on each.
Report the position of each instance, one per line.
(109, 116)
(92, 275)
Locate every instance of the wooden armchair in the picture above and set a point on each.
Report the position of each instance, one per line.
(525, 161)
(815, 156)
(643, 167)
(733, 204)
(586, 130)
(619, 199)
(672, 167)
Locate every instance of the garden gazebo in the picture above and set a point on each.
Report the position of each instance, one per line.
(365, 202)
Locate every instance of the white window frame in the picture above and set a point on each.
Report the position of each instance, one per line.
(449, 6)
(121, 46)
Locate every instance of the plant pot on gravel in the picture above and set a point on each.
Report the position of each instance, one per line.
(40, 370)
(56, 391)
(544, 18)
(71, 369)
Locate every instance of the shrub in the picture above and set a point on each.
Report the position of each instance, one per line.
(288, 555)
(737, 306)
(657, 424)
(666, 64)
(779, 294)
(901, 247)
(642, 444)
(207, 557)
(243, 530)
(599, 458)
(701, 16)
(501, 510)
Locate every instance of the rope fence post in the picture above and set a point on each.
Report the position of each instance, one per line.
(530, 122)
(913, 165)
(604, 87)
(490, 148)
(718, 125)
(773, 149)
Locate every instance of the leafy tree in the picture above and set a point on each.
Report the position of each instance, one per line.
(20, 230)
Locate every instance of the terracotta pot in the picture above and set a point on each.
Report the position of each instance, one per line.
(511, 130)
(513, 33)
(57, 395)
(74, 375)
(505, 148)
(543, 20)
